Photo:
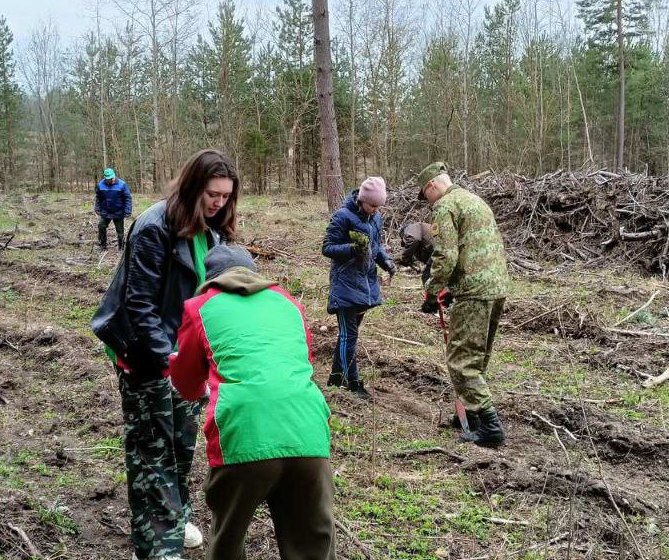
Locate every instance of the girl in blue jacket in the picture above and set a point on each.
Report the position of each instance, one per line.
(353, 242)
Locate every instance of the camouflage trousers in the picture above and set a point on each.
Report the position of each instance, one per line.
(160, 434)
(472, 327)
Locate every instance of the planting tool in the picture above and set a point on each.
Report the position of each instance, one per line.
(459, 407)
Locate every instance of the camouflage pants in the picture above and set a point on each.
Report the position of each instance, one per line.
(472, 327)
(160, 433)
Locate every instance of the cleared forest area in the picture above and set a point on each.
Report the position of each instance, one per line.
(583, 473)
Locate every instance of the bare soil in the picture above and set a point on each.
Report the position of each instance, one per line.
(583, 474)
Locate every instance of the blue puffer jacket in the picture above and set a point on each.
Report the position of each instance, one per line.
(113, 201)
(353, 279)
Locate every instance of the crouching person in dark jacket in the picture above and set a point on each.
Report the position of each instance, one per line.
(417, 244)
(267, 422)
(353, 242)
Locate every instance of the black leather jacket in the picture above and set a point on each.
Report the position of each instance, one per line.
(141, 312)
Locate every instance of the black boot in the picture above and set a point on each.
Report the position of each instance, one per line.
(336, 379)
(357, 388)
(472, 420)
(489, 433)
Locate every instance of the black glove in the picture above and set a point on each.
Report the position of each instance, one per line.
(445, 297)
(430, 304)
(392, 269)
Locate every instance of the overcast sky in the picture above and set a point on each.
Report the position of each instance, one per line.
(73, 18)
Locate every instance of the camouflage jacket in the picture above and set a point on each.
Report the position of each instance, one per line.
(468, 252)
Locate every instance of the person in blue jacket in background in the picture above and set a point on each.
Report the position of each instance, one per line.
(113, 201)
(353, 242)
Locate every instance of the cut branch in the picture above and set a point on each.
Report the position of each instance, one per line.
(638, 310)
(655, 381)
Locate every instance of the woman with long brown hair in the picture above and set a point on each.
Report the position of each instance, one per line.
(138, 319)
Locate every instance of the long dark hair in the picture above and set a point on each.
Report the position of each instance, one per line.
(184, 204)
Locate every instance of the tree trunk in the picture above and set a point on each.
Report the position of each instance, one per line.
(620, 137)
(353, 172)
(331, 165)
(586, 128)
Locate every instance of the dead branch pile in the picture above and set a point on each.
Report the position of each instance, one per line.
(590, 217)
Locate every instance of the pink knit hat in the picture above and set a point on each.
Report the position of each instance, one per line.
(373, 191)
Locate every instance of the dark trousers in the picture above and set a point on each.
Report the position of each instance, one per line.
(344, 362)
(299, 493)
(102, 231)
(160, 434)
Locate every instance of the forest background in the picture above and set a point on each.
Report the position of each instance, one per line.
(519, 85)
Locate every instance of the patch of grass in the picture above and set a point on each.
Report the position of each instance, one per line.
(9, 295)
(109, 447)
(142, 202)
(421, 444)
(569, 380)
(294, 286)
(31, 461)
(405, 515)
(506, 356)
(253, 202)
(7, 222)
(661, 393)
(24, 457)
(644, 317)
(9, 476)
(472, 521)
(77, 316)
(57, 516)
(66, 480)
(120, 478)
(41, 468)
(342, 427)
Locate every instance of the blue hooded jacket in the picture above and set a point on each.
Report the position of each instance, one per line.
(113, 201)
(353, 279)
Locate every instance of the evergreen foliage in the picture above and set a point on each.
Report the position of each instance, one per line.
(524, 94)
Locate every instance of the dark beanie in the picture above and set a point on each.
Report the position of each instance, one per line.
(223, 257)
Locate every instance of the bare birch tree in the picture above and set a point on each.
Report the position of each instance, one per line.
(42, 70)
(163, 23)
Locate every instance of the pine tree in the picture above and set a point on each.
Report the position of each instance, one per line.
(231, 53)
(612, 29)
(295, 87)
(10, 107)
(495, 53)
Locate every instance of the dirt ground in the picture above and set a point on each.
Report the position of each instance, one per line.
(584, 472)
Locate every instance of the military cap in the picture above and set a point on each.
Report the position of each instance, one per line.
(430, 172)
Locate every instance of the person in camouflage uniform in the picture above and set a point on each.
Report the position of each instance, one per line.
(469, 259)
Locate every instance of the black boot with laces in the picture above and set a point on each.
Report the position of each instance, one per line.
(359, 390)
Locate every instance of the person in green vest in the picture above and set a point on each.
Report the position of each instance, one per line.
(138, 319)
(266, 423)
(469, 264)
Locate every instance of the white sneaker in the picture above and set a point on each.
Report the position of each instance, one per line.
(192, 536)
(134, 557)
